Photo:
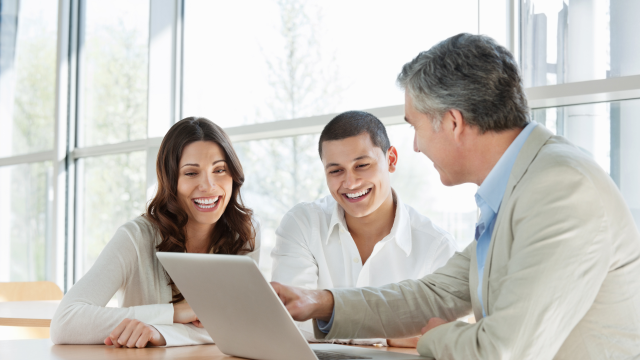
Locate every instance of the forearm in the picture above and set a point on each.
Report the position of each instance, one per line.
(392, 311)
(78, 323)
(400, 310)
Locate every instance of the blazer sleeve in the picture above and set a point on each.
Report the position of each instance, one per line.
(82, 318)
(402, 309)
(559, 259)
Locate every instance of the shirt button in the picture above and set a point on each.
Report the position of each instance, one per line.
(356, 260)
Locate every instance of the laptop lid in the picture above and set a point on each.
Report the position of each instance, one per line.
(252, 322)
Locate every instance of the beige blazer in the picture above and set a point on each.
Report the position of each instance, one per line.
(561, 281)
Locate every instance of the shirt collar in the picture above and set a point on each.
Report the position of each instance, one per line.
(337, 219)
(491, 192)
(400, 231)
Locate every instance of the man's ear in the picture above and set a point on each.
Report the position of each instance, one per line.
(458, 125)
(392, 158)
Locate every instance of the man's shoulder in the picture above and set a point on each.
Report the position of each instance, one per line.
(559, 156)
(322, 207)
(424, 227)
(561, 170)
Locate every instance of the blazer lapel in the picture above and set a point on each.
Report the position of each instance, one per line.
(528, 153)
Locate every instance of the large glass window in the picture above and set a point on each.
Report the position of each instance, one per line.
(114, 67)
(279, 173)
(27, 76)
(292, 58)
(111, 191)
(25, 221)
(607, 132)
(568, 41)
(418, 184)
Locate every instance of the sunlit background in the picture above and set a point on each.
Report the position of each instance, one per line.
(251, 62)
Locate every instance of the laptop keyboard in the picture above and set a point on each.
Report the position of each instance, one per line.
(330, 355)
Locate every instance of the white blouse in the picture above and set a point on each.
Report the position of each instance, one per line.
(128, 265)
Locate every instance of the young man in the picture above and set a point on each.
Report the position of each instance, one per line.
(361, 235)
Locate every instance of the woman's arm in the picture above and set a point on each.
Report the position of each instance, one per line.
(82, 317)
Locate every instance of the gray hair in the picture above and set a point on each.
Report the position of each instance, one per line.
(472, 74)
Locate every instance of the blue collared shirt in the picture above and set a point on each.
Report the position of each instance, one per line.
(489, 197)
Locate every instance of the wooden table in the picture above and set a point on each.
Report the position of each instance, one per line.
(28, 313)
(45, 350)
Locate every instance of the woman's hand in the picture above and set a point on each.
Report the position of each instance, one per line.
(134, 333)
(183, 314)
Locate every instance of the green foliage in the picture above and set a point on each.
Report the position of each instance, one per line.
(112, 192)
(114, 89)
(34, 104)
(30, 218)
(284, 172)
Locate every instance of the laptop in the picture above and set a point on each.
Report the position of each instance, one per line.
(244, 315)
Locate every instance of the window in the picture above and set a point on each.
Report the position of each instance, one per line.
(418, 184)
(81, 128)
(28, 32)
(27, 84)
(25, 221)
(569, 41)
(279, 173)
(113, 72)
(291, 59)
(111, 191)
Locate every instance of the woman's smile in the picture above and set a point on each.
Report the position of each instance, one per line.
(206, 204)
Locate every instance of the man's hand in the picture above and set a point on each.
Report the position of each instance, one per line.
(432, 323)
(305, 304)
(134, 334)
(183, 314)
(411, 342)
(197, 323)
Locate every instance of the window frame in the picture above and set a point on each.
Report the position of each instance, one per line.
(165, 108)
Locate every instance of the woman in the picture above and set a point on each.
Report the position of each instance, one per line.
(197, 209)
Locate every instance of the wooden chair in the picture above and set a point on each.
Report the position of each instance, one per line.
(27, 291)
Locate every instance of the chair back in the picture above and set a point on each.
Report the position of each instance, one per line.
(29, 291)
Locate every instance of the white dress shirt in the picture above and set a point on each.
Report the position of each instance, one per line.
(315, 250)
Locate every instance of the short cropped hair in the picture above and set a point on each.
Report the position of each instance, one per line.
(354, 123)
(472, 74)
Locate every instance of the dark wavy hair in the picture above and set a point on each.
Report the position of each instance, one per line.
(234, 232)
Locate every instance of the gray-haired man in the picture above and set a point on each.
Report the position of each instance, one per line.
(554, 271)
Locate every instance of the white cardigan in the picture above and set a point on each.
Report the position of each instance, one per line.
(128, 265)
